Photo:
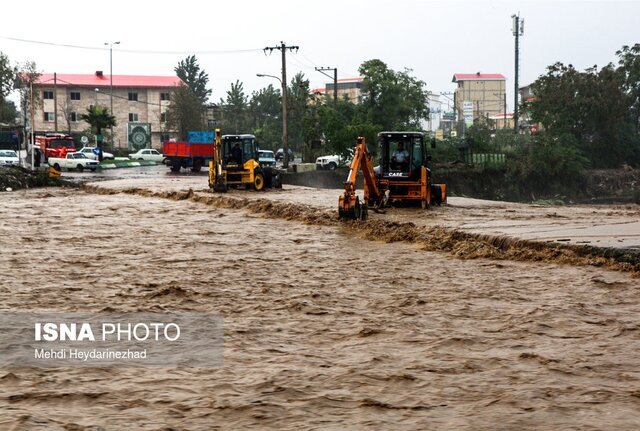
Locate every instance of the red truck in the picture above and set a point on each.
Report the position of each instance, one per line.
(192, 155)
(52, 144)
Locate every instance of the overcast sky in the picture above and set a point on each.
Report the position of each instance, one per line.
(433, 38)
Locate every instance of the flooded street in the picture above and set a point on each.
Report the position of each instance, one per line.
(323, 329)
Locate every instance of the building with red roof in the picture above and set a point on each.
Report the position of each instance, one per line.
(348, 88)
(480, 95)
(136, 99)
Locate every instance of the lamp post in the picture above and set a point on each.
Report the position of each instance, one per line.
(111, 80)
(285, 136)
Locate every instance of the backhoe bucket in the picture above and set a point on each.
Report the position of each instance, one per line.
(351, 208)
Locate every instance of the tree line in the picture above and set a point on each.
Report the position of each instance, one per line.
(390, 100)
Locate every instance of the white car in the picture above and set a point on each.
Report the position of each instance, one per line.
(9, 158)
(92, 153)
(333, 161)
(74, 161)
(148, 154)
(266, 158)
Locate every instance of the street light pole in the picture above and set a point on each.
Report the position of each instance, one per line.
(111, 81)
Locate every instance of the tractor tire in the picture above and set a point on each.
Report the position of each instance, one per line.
(436, 195)
(220, 187)
(258, 181)
(276, 181)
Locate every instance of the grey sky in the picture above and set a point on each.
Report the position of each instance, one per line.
(433, 38)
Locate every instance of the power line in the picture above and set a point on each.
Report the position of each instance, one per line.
(335, 79)
(132, 51)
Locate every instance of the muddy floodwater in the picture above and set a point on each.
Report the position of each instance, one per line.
(322, 330)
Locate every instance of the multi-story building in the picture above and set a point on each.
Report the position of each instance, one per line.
(348, 88)
(479, 95)
(136, 99)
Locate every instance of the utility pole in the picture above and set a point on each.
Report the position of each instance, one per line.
(335, 80)
(517, 30)
(111, 85)
(55, 102)
(285, 136)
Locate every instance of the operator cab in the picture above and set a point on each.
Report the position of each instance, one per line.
(238, 149)
(402, 154)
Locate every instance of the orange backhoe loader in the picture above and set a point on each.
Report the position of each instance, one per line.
(402, 176)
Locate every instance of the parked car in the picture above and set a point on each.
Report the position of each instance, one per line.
(266, 158)
(333, 161)
(92, 153)
(9, 158)
(280, 154)
(148, 154)
(77, 161)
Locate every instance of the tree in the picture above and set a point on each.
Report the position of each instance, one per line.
(235, 110)
(629, 66)
(189, 72)
(7, 80)
(297, 110)
(590, 105)
(99, 118)
(265, 113)
(27, 76)
(185, 112)
(392, 100)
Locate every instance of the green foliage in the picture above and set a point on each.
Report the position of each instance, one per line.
(7, 80)
(598, 107)
(446, 151)
(265, 112)
(551, 163)
(185, 112)
(236, 118)
(27, 75)
(188, 70)
(392, 100)
(629, 62)
(99, 118)
(299, 113)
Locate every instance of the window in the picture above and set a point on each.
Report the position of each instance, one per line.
(47, 94)
(165, 96)
(48, 116)
(164, 137)
(133, 117)
(163, 117)
(74, 117)
(133, 96)
(74, 95)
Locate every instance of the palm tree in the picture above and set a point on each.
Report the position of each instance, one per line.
(99, 118)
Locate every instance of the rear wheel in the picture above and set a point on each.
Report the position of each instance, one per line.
(56, 166)
(258, 181)
(197, 165)
(140, 159)
(436, 195)
(220, 186)
(175, 168)
(276, 181)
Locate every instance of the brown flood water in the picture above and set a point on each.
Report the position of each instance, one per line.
(322, 330)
